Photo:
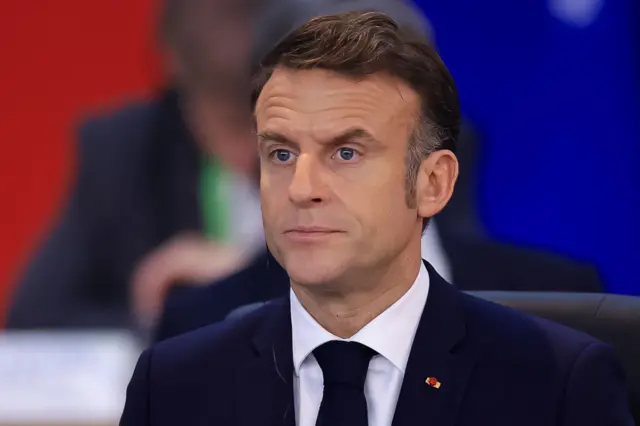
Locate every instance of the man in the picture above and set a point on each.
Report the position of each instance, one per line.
(165, 191)
(453, 243)
(357, 121)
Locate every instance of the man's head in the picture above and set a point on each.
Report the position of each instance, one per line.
(208, 41)
(357, 119)
(279, 17)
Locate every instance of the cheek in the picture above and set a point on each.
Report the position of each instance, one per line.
(374, 195)
(381, 178)
(266, 203)
(273, 198)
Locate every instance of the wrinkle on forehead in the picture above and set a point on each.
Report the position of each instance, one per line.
(323, 96)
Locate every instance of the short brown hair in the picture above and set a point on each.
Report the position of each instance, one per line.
(358, 44)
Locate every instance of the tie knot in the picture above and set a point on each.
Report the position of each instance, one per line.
(344, 363)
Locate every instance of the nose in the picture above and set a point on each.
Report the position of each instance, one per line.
(307, 187)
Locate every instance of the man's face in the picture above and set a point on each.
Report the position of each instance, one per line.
(214, 40)
(332, 154)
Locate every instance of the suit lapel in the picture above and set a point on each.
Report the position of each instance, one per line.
(434, 355)
(264, 389)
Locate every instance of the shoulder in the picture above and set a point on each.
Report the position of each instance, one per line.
(225, 345)
(118, 134)
(112, 150)
(525, 269)
(190, 371)
(568, 373)
(134, 116)
(520, 340)
(188, 308)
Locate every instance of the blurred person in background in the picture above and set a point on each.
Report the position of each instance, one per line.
(454, 242)
(165, 191)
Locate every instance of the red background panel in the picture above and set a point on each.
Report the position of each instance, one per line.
(60, 59)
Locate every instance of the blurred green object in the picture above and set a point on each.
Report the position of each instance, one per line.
(214, 186)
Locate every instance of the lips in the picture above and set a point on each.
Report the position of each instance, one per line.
(312, 229)
(310, 233)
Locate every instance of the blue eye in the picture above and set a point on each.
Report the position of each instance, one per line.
(282, 155)
(346, 154)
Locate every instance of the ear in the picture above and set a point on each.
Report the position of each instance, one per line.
(436, 179)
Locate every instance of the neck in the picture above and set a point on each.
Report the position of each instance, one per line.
(344, 313)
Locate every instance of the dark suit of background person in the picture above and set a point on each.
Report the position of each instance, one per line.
(137, 186)
(476, 262)
(138, 168)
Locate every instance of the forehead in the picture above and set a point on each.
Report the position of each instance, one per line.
(321, 98)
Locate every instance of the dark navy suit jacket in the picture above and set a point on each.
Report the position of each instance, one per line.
(496, 367)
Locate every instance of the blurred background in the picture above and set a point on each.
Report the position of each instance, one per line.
(550, 91)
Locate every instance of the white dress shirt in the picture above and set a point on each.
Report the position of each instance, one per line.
(433, 252)
(390, 334)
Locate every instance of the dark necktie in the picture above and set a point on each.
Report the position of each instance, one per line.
(344, 367)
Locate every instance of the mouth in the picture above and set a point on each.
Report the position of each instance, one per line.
(311, 233)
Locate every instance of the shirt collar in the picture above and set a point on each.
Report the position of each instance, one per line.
(390, 334)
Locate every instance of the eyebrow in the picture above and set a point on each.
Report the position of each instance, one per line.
(264, 137)
(345, 137)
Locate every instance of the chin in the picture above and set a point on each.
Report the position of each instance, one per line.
(313, 270)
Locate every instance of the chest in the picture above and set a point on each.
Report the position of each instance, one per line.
(492, 397)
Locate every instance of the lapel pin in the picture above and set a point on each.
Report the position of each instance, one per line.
(433, 382)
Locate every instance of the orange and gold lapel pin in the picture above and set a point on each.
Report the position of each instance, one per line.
(433, 382)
